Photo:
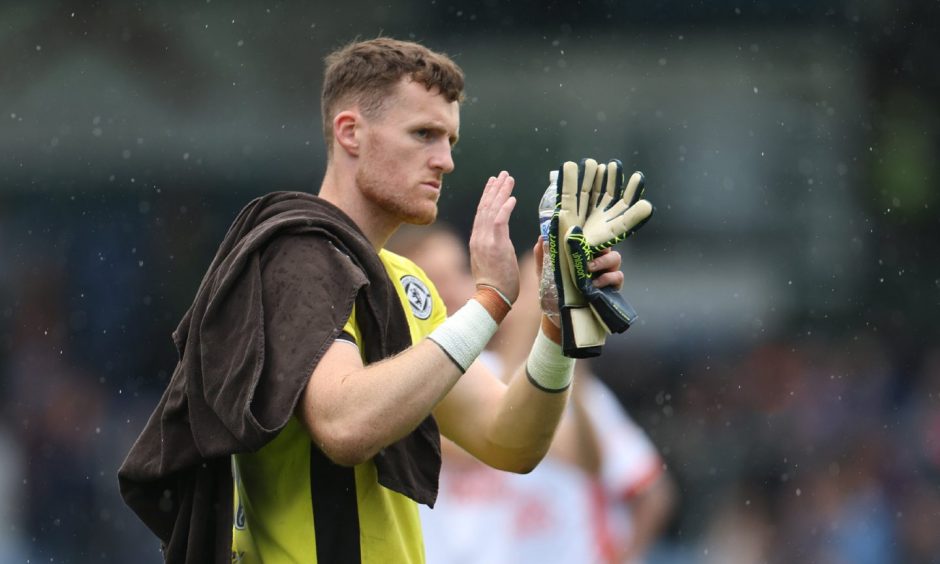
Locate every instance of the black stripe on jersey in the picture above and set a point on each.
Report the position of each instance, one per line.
(335, 509)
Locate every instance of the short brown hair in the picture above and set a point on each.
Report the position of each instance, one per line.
(366, 72)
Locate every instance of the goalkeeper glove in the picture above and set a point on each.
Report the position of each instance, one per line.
(617, 213)
(593, 212)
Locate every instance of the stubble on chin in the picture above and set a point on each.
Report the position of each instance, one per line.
(426, 219)
(375, 188)
(425, 216)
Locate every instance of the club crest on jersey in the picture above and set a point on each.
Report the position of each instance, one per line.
(419, 297)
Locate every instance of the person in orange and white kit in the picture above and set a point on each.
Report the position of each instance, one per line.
(600, 495)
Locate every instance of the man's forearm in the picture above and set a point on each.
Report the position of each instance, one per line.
(532, 406)
(525, 424)
(353, 411)
(365, 409)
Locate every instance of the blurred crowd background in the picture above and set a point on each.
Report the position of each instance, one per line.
(787, 365)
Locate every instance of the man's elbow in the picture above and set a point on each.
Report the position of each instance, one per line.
(343, 454)
(523, 469)
(520, 462)
(342, 444)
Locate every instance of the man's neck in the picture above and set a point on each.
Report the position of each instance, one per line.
(341, 191)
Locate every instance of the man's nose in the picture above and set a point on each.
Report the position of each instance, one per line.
(442, 158)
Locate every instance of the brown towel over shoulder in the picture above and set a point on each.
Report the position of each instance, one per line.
(278, 292)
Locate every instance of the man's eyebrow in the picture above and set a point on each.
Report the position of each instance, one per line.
(439, 127)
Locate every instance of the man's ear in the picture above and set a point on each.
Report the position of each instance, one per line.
(347, 127)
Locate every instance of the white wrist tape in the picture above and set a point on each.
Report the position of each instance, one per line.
(465, 333)
(547, 368)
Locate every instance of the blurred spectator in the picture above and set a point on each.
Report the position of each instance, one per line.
(58, 411)
(601, 494)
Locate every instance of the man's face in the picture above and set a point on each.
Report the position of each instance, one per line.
(406, 151)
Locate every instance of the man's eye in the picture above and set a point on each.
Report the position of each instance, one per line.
(423, 133)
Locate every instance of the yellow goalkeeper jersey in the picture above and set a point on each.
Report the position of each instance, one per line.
(292, 504)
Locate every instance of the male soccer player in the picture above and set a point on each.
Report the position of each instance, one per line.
(320, 369)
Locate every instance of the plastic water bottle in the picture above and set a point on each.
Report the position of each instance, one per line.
(548, 292)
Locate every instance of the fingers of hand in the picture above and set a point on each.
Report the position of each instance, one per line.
(609, 279)
(501, 207)
(487, 191)
(605, 261)
(497, 191)
(493, 259)
(505, 211)
(502, 188)
(484, 200)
